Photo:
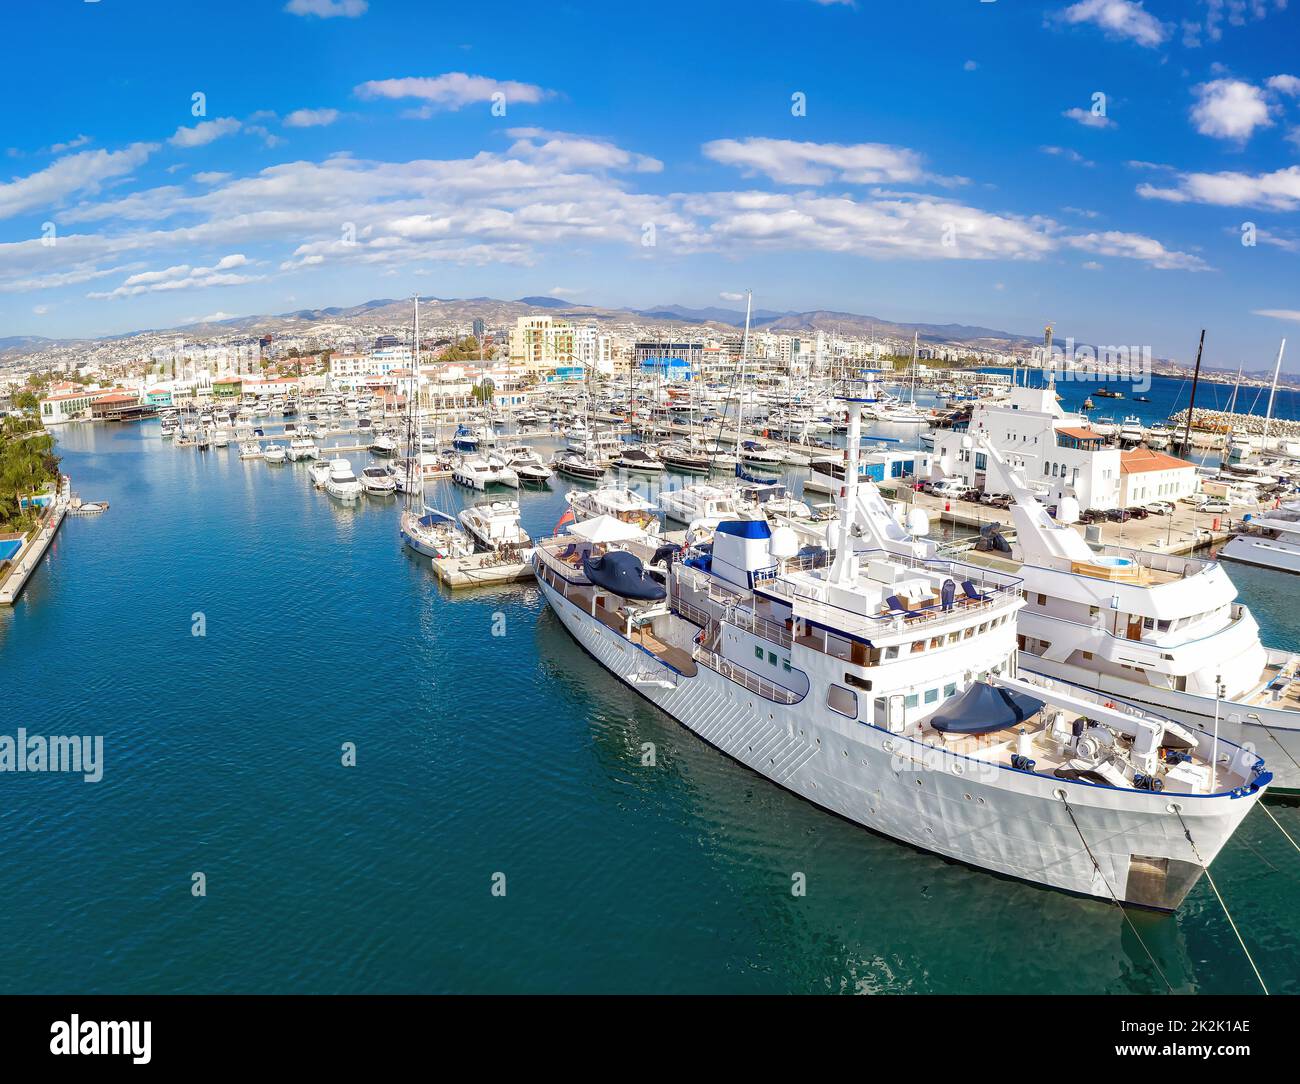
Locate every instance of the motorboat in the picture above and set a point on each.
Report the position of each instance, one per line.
(617, 501)
(700, 504)
(494, 526)
(479, 472)
(527, 464)
(275, 453)
(250, 449)
(434, 534)
(303, 448)
(341, 483)
(638, 461)
(383, 444)
(319, 473)
(377, 482)
(573, 465)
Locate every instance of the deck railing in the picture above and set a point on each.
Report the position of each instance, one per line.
(747, 678)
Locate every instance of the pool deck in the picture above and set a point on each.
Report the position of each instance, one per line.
(25, 561)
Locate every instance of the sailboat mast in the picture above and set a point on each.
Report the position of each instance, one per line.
(1277, 369)
(1196, 377)
(744, 353)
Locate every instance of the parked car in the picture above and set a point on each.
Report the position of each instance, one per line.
(1160, 508)
(948, 488)
(1118, 515)
(1138, 512)
(989, 498)
(1216, 506)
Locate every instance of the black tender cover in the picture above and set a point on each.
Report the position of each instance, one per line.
(621, 572)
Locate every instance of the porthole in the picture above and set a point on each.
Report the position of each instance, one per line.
(920, 782)
(967, 797)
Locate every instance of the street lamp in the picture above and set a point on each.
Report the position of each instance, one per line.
(1214, 747)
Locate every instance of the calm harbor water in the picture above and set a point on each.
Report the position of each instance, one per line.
(476, 754)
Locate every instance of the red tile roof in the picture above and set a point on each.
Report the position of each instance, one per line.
(1079, 434)
(1137, 460)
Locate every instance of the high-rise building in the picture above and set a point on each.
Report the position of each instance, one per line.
(480, 329)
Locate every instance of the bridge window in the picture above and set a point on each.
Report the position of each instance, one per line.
(842, 700)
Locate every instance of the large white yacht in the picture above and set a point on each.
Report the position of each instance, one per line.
(1157, 630)
(1270, 539)
(886, 690)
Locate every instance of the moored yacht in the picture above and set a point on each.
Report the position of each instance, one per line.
(616, 501)
(886, 690)
(479, 472)
(494, 526)
(527, 464)
(274, 453)
(319, 473)
(638, 461)
(701, 504)
(1268, 539)
(434, 534)
(303, 448)
(377, 482)
(577, 466)
(342, 484)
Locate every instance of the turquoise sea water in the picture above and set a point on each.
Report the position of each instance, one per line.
(476, 754)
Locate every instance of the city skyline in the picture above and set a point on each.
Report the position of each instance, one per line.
(1125, 171)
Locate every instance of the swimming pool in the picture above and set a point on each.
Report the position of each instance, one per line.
(9, 546)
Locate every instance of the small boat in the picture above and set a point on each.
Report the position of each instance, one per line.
(221, 438)
(341, 483)
(616, 501)
(1107, 393)
(78, 507)
(1141, 399)
(319, 474)
(275, 453)
(754, 454)
(377, 482)
(639, 461)
(678, 457)
(1088, 404)
(494, 526)
(479, 472)
(303, 448)
(573, 465)
(250, 449)
(528, 465)
(435, 534)
(383, 444)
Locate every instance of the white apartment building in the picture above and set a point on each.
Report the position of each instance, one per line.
(1059, 454)
(1057, 451)
(347, 369)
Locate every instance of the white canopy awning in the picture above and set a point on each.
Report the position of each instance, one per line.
(606, 529)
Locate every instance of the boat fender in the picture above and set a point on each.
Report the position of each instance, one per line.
(1021, 763)
(1147, 782)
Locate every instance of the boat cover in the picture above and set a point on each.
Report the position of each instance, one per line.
(984, 708)
(621, 572)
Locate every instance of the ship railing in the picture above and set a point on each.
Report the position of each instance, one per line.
(747, 678)
(1159, 562)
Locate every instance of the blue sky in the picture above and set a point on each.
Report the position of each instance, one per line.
(953, 161)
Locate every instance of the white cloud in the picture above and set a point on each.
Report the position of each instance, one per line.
(1134, 246)
(328, 9)
(1088, 118)
(204, 132)
(1091, 265)
(1123, 19)
(84, 172)
(311, 118)
(1229, 109)
(452, 90)
(40, 310)
(725, 296)
(969, 66)
(181, 277)
(565, 151)
(82, 140)
(1069, 154)
(1285, 84)
(1278, 314)
(788, 162)
(1279, 190)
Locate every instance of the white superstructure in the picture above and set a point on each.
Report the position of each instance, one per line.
(1270, 539)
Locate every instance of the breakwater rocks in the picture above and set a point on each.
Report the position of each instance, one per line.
(1221, 421)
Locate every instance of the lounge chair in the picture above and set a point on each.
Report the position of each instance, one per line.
(898, 608)
(972, 594)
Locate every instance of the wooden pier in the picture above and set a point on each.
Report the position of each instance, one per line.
(480, 570)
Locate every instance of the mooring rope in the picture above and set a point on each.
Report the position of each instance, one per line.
(1097, 866)
(1228, 914)
(1279, 826)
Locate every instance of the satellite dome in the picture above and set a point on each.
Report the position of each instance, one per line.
(1067, 510)
(783, 543)
(918, 522)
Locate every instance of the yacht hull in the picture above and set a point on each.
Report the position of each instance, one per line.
(1263, 552)
(875, 779)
